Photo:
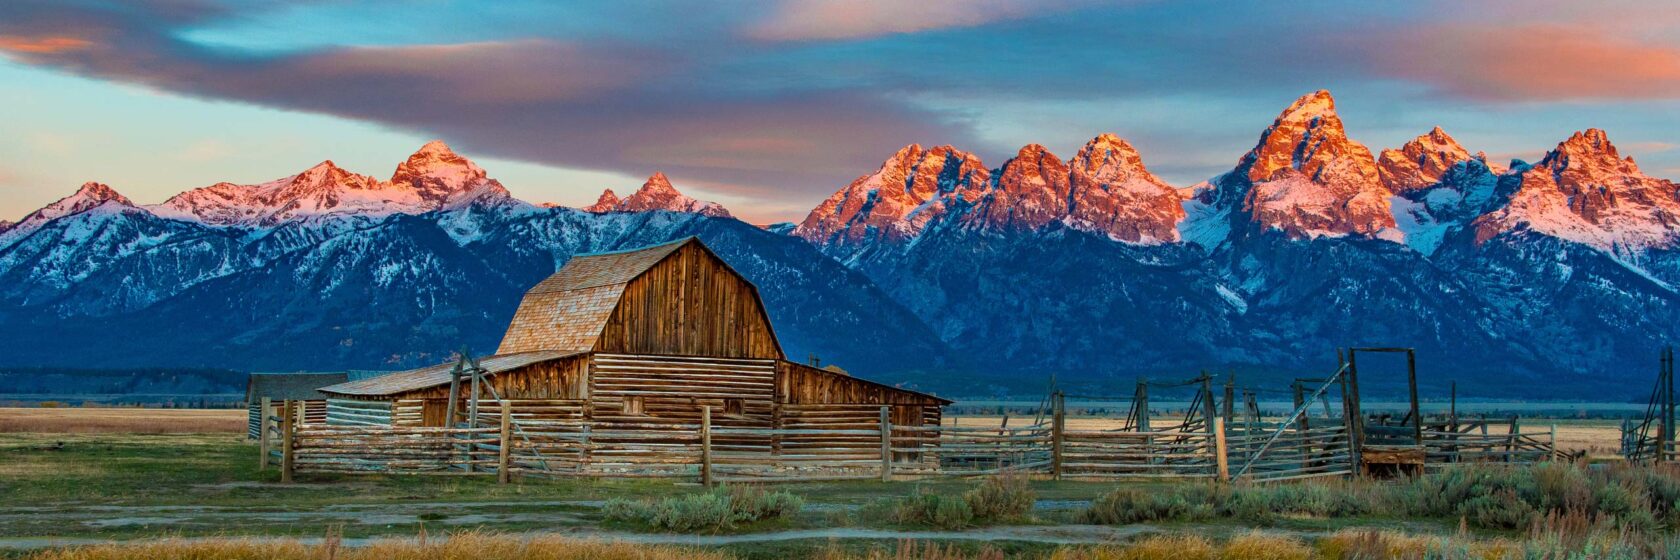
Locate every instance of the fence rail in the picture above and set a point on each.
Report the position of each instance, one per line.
(507, 443)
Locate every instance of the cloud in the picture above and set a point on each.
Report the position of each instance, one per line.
(1528, 62)
(602, 105)
(801, 20)
(42, 45)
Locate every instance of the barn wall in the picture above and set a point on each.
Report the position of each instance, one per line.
(672, 391)
(347, 412)
(555, 379)
(690, 304)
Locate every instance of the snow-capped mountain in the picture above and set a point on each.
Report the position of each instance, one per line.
(1308, 243)
(656, 194)
(433, 178)
(933, 268)
(88, 197)
(1104, 189)
(1584, 191)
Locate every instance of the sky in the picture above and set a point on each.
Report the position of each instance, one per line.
(770, 106)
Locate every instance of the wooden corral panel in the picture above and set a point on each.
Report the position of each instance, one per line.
(690, 304)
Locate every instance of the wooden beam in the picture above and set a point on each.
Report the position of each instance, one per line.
(288, 447)
(263, 411)
(706, 445)
(503, 475)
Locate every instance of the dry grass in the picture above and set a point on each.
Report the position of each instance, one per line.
(460, 546)
(121, 420)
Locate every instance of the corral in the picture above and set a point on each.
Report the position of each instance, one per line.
(662, 362)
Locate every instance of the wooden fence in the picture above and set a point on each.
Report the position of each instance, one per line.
(555, 442)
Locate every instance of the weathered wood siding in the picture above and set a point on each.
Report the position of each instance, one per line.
(673, 389)
(557, 379)
(347, 412)
(690, 304)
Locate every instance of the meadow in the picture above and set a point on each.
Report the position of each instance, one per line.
(108, 483)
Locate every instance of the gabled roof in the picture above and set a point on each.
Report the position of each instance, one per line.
(293, 386)
(438, 375)
(567, 311)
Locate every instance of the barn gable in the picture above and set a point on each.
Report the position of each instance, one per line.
(676, 298)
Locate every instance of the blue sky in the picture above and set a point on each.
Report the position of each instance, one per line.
(770, 106)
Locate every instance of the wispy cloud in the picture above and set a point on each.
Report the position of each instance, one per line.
(1533, 62)
(799, 20)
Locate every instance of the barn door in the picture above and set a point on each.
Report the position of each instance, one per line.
(434, 413)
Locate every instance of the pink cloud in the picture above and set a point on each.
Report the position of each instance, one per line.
(42, 45)
(800, 20)
(1534, 61)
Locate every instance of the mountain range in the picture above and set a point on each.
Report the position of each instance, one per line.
(936, 270)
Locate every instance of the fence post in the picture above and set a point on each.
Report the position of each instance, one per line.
(1058, 419)
(506, 443)
(706, 445)
(1219, 450)
(886, 443)
(288, 443)
(263, 411)
(1552, 444)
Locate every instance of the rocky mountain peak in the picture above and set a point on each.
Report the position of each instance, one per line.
(1306, 178)
(95, 192)
(1108, 158)
(911, 187)
(1585, 191)
(1420, 162)
(1111, 192)
(657, 193)
(605, 203)
(436, 172)
(1588, 155)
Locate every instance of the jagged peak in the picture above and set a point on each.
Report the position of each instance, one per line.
(1109, 157)
(658, 183)
(435, 147)
(1589, 149)
(604, 203)
(100, 192)
(1308, 107)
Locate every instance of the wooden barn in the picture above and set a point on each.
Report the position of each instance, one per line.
(276, 388)
(639, 340)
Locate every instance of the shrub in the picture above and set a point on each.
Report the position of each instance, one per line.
(1500, 510)
(1001, 498)
(706, 512)
(934, 510)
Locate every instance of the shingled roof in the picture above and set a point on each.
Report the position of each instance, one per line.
(434, 376)
(300, 386)
(567, 311)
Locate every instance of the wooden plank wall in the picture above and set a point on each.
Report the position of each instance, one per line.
(690, 304)
(802, 384)
(346, 412)
(673, 390)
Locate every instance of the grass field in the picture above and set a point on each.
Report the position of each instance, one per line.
(85, 476)
(121, 420)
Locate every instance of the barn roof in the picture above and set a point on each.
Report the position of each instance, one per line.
(567, 311)
(433, 376)
(293, 386)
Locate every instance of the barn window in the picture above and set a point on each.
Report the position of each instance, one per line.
(633, 405)
(733, 407)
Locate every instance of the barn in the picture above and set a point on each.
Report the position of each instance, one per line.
(637, 340)
(275, 388)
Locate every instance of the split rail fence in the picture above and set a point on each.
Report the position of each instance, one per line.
(540, 443)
